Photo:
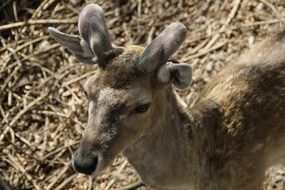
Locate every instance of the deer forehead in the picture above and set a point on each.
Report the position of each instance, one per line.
(112, 96)
(121, 72)
(127, 97)
(121, 82)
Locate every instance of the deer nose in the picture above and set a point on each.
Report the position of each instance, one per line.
(85, 165)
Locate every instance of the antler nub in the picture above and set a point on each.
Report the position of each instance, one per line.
(162, 47)
(92, 28)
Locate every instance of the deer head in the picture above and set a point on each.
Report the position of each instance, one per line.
(125, 96)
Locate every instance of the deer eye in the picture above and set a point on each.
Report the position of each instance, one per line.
(141, 108)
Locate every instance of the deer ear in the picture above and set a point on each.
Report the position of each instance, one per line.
(162, 47)
(180, 74)
(73, 43)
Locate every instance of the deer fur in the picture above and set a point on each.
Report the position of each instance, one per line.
(226, 141)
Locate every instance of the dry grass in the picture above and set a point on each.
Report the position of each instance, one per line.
(43, 109)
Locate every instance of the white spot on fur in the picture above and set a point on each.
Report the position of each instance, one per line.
(104, 93)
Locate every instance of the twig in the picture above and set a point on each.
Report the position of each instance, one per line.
(197, 48)
(15, 56)
(5, 4)
(30, 42)
(273, 21)
(19, 167)
(277, 13)
(150, 35)
(38, 10)
(15, 10)
(45, 134)
(119, 171)
(233, 12)
(21, 113)
(26, 109)
(8, 79)
(180, 100)
(133, 186)
(65, 182)
(80, 78)
(204, 52)
(90, 183)
(55, 180)
(36, 22)
(228, 21)
(59, 149)
(58, 114)
(44, 5)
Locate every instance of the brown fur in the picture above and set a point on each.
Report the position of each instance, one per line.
(235, 131)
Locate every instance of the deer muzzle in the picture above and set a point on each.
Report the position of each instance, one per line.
(86, 164)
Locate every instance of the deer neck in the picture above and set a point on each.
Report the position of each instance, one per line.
(169, 154)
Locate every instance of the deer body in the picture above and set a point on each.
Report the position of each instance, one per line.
(230, 137)
(233, 133)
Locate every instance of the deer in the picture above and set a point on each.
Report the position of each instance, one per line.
(4, 185)
(225, 141)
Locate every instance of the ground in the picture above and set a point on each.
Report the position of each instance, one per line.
(43, 109)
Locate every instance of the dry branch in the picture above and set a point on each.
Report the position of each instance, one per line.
(37, 22)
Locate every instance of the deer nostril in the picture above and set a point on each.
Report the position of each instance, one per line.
(85, 165)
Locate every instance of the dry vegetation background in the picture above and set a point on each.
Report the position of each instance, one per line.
(43, 109)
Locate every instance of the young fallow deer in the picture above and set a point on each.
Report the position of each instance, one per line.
(234, 132)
